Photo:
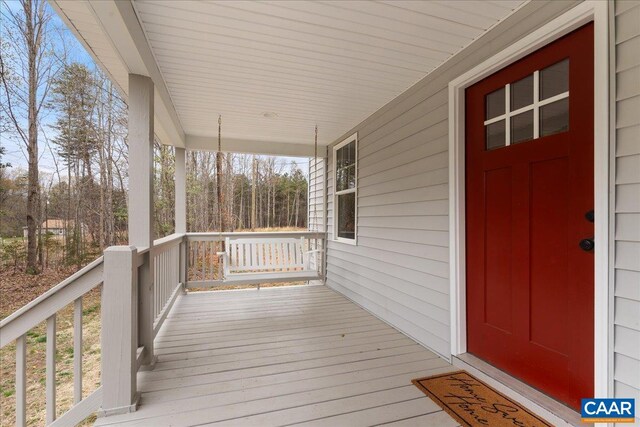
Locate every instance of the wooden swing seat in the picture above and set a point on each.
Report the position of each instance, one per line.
(267, 260)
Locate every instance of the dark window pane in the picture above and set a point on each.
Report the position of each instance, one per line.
(341, 179)
(347, 216)
(522, 93)
(554, 117)
(494, 104)
(351, 148)
(346, 167)
(340, 158)
(522, 127)
(351, 176)
(347, 155)
(554, 79)
(495, 135)
(346, 178)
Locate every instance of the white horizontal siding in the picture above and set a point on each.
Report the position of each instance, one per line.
(399, 269)
(626, 357)
(316, 194)
(627, 342)
(627, 284)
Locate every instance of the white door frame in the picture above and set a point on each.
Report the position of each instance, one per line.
(588, 11)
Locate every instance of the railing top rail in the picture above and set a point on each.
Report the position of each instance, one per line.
(167, 242)
(52, 291)
(38, 310)
(169, 238)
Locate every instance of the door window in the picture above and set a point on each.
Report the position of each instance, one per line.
(532, 107)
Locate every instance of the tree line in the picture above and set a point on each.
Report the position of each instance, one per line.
(257, 192)
(70, 111)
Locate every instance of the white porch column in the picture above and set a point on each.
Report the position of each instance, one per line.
(181, 208)
(119, 338)
(141, 137)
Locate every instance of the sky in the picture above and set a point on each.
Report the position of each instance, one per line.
(61, 36)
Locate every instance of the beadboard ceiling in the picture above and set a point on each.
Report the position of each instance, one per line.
(274, 69)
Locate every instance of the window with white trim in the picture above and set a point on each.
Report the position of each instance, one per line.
(530, 108)
(345, 166)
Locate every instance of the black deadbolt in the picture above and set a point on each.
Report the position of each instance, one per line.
(587, 245)
(589, 216)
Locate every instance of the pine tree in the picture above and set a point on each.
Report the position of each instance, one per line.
(74, 96)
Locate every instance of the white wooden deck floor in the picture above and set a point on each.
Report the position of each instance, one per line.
(283, 356)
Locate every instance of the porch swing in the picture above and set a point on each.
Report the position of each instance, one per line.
(255, 258)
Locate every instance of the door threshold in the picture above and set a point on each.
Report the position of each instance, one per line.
(551, 410)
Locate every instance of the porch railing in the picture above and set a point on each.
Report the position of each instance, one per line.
(138, 289)
(46, 308)
(168, 276)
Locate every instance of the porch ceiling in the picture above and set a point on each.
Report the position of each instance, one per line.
(330, 63)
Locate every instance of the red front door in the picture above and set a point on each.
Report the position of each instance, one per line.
(529, 224)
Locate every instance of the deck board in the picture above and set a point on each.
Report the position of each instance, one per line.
(282, 356)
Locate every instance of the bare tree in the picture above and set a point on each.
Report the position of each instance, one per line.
(229, 181)
(26, 68)
(254, 180)
(219, 192)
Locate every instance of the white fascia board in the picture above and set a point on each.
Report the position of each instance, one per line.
(249, 146)
(121, 25)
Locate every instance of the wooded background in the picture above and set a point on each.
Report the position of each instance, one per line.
(69, 111)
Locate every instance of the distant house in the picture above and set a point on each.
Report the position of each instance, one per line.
(56, 227)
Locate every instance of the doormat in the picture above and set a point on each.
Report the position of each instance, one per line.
(473, 403)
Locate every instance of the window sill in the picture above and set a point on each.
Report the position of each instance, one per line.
(352, 242)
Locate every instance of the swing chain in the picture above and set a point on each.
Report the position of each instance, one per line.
(219, 133)
(222, 245)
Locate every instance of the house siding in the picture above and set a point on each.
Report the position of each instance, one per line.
(316, 212)
(399, 270)
(626, 319)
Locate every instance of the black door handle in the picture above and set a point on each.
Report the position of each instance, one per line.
(589, 216)
(587, 244)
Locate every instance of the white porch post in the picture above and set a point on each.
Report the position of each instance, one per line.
(181, 207)
(141, 137)
(119, 339)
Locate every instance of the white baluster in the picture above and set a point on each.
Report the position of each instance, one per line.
(50, 368)
(77, 351)
(21, 381)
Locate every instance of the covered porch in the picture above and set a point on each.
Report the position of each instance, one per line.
(385, 84)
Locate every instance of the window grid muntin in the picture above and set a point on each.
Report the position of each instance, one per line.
(344, 171)
(353, 165)
(535, 107)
